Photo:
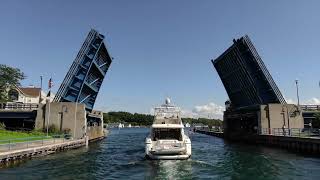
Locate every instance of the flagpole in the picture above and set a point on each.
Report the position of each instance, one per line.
(48, 116)
(49, 110)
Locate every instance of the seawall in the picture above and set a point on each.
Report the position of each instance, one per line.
(308, 145)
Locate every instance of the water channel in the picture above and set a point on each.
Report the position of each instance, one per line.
(121, 156)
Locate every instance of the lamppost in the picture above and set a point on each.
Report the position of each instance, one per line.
(75, 118)
(297, 91)
(288, 118)
(40, 99)
(284, 122)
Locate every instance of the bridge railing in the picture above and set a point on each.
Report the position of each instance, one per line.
(310, 107)
(29, 142)
(292, 132)
(24, 106)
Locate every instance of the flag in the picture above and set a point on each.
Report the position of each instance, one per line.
(50, 83)
(49, 94)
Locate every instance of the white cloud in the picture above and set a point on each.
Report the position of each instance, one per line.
(291, 101)
(313, 101)
(188, 114)
(210, 110)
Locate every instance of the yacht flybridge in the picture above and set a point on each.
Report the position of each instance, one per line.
(167, 139)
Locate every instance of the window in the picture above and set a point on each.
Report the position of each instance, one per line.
(13, 95)
(164, 133)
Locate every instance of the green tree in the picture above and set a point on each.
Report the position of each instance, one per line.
(9, 77)
(147, 119)
(316, 120)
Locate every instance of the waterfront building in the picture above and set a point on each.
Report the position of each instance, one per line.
(29, 94)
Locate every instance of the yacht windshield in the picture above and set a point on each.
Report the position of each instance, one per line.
(166, 133)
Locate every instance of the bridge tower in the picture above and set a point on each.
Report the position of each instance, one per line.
(86, 74)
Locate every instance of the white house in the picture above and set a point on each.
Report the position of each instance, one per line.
(28, 95)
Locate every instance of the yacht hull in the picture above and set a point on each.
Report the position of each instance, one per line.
(155, 152)
(168, 157)
(167, 139)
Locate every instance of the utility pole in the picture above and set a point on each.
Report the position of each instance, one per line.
(40, 90)
(297, 91)
(41, 82)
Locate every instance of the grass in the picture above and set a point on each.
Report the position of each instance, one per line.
(19, 136)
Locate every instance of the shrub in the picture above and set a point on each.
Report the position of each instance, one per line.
(316, 120)
(66, 131)
(36, 133)
(2, 125)
(53, 129)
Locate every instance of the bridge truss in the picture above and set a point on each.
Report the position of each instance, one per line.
(245, 76)
(87, 72)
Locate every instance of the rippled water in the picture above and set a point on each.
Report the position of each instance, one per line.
(121, 156)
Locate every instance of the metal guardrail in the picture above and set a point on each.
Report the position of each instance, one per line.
(12, 106)
(292, 132)
(310, 107)
(22, 143)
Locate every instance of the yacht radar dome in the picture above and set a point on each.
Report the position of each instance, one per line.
(168, 101)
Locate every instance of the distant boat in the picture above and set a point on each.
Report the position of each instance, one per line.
(167, 139)
(129, 126)
(187, 125)
(121, 125)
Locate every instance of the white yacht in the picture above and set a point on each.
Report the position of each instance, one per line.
(120, 125)
(167, 139)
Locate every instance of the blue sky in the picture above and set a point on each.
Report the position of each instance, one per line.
(163, 48)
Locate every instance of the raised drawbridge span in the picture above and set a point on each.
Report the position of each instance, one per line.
(85, 76)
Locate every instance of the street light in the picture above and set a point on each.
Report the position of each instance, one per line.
(75, 119)
(297, 91)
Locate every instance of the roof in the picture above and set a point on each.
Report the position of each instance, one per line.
(167, 126)
(29, 91)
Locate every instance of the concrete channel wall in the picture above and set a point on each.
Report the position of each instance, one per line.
(40, 150)
(308, 145)
(63, 116)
